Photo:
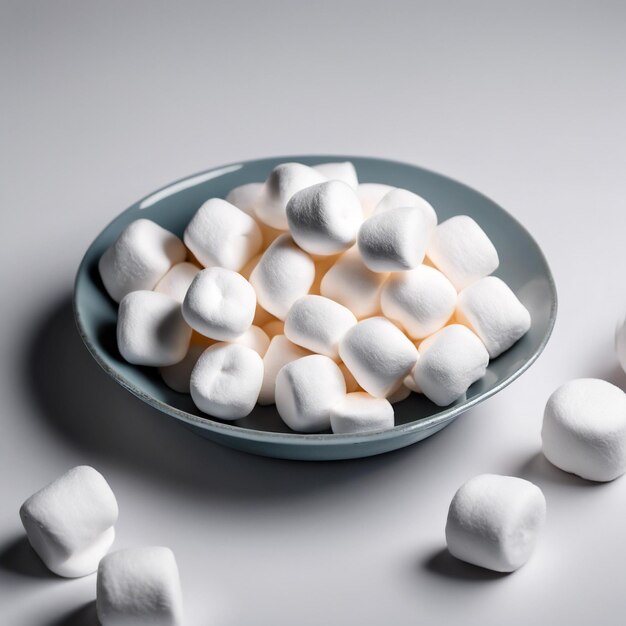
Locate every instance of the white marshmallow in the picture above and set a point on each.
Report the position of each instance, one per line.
(285, 180)
(255, 338)
(318, 324)
(352, 284)
(494, 521)
(322, 265)
(262, 317)
(343, 171)
(620, 343)
(494, 313)
(460, 248)
(378, 354)
(450, 361)
(139, 586)
(306, 389)
(584, 429)
(246, 270)
(221, 235)
(151, 329)
(220, 304)
(70, 522)
(280, 352)
(284, 274)
(244, 197)
(226, 380)
(273, 328)
(177, 376)
(410, 384)
(395, 240)
(359, 412)
(324, 218)
(370, 194)
(351, 384)
(139, 258)
(397, 198)
(400, 394)
(422, 300)
(177, 280)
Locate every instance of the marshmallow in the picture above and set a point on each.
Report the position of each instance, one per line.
(69, 523)
(255, 338)
(395, 240)
(151, 329)
(409, 382)
(245, 196)
(262, 317)
(246, 270)
(422, 300)
(322, 265)
(359, 412)
(494, 313)
(176, 282)
(285, 180)
(352, 284)
(370, 194)
(494, 521)
(584, 429)
(324, 218)
(343, 171)
(318, 324)
(177, 376)
(620, 343)
(139, 258)
(220, 304)
(220, 234)
(284, 274)
(273, 328)
(460, 248)
(397, 198)
(280, 352)
(306, 389)
(400, 394)
(139, 586)
(450, 361)
(378, 354)
(351, 384)
(226, 380)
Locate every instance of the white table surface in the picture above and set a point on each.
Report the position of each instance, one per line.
(105, 102)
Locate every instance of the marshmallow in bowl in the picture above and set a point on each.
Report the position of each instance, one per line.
(351, 384)
(139, 258)
(220, 304)
(460, 248)
(285, 180)
(284, 274)
(359, 412)
(395, 240)
(151, 329)
(370, 194)
(70, 522)
(139, 586)
(494, 313)
(378, 354)
(226, 380)
(450, 361)
(177, 376)
(318, 324)
(402, 198)
(494, 522)
(584, 429)
(324, 218)
(400, 394)
(422, 300)
(306, 390)
(244, 197)
(343, 171)
(177, 280)
(220, 234)
(255, 338)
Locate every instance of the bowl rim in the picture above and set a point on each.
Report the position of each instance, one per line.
(261, 436)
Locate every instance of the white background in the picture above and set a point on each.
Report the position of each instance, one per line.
(104, 102)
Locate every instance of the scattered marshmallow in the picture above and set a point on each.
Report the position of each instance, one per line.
(221, 235)
(177, 280)
(620, 343)
(70, 522)
(460, 248)
(359, 412)
(584, 429)
(244, 197)
(378, 354)
(220, 304)
(494, 313)
(450, 361)
(306, 389)
(397, 198)
(151, 329)
(318, 324)
(285, 180)
(177, 376)
(422, 300)
(370, 195)
(139, 586)
(139, 258)
(494, 522)
(255, 338)
(226, 380)
(324, 218)
(395, 240)
(343, 171)
(352, 284)
(284, 274)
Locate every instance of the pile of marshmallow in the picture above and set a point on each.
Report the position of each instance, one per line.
(330, 298)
